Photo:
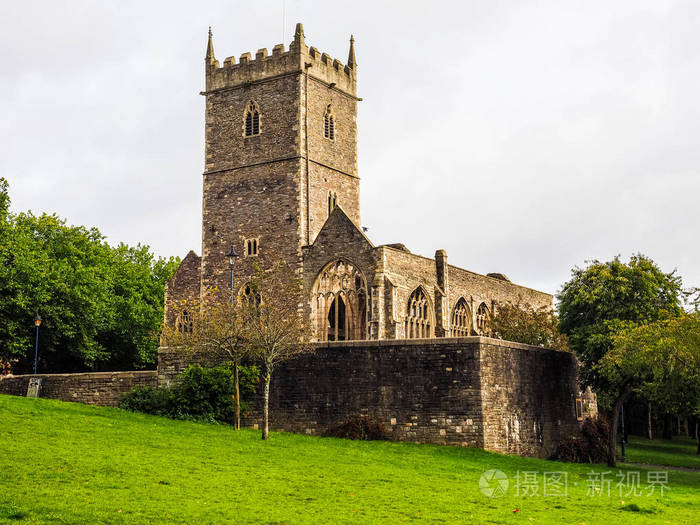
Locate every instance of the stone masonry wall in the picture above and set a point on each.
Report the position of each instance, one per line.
(94, 388)
(471, 391)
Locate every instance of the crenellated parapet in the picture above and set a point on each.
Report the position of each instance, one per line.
(281, 61)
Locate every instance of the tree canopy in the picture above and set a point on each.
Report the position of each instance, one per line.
(523, 323)
(101, 306)
(605, 296)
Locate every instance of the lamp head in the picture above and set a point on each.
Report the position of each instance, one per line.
(232, 255)
(37, 320)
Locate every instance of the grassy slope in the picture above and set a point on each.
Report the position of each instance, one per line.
(679, 451)
(67, 462)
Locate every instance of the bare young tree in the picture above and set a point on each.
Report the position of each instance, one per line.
(212, 331)
(276, 326)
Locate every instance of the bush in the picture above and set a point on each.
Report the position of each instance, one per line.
(204, 394)
(159, 402)
(590, 445)
(358, 427)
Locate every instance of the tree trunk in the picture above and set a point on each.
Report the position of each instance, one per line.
(266, 405)
(238, 398)
(612, 436)
(668, 424)
(650, 434)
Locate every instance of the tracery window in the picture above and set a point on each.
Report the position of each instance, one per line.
(250, 296)
(184, 323)
(419, 316)
(251, 119)
(339, 302)
(329, 123)
(461, 319)
(483, 320)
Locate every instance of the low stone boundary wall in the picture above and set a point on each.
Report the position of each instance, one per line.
(472, 391)
(92, 388)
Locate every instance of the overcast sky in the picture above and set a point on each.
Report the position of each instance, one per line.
(523, 137)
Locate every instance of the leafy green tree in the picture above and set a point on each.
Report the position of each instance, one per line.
(603, 296)
(102, 307)
(523, 323)
(660, 360)
(604, 299)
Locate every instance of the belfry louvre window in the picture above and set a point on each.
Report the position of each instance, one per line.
(461, 319)
(251, 247)
(251, 120)
(419, 316)
(329, 124)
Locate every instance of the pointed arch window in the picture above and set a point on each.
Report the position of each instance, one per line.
(339, 303)
(251, 120)
(184, 323)
(483, 320)
(461, 319)
(419, 316)
(329, 123)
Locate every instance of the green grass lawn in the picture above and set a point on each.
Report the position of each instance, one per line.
(71, 463)
(678, 452)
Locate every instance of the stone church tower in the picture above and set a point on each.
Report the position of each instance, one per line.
(281, 183)
(281, 153)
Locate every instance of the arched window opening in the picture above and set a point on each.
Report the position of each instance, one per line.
(461, 319)
(329, 124)
(250, 297)
(419, 316)
(251, 247)
(184, 323)
(252, 120)
(339, 303)
(483, 320)
(337, 320)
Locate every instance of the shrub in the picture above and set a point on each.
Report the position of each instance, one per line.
(358, 427)
(159, 402)
(203, 394)
(206, 393)
(590, 445)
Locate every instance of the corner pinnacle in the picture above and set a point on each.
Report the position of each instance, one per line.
(210, 50)
(351, 55)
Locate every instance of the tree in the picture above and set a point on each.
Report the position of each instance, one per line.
(523, 323)
(214, 331)
(277, 328)
(101, 306)
(604, 299)
(661, 360)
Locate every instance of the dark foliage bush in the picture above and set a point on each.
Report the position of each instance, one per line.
(159, 402)
(590, 445)
(358, 427)
(205, 394)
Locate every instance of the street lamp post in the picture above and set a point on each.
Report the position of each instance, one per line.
(37, 323)
(232, 255)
